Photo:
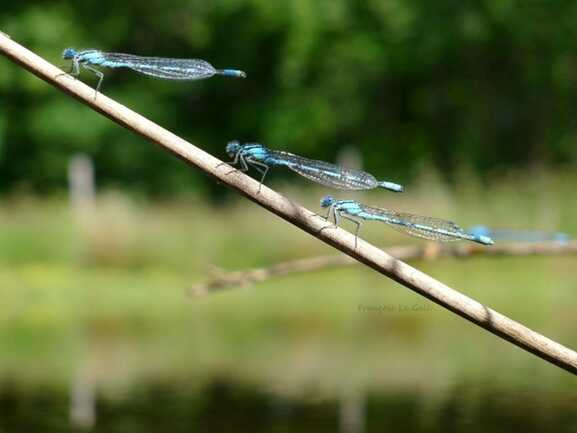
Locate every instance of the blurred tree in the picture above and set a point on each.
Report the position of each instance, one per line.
(490, 84)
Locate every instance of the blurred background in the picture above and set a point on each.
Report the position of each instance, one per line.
(470, 105)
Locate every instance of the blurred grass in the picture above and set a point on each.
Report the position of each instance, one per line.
(110, 294)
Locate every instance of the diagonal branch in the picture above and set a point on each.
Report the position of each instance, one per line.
(302, 218)
(221, 280)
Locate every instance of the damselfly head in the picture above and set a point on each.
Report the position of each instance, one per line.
(232, 148)
(69, 53)
(327, 201)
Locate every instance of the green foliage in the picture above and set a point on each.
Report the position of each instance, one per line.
(491, 84)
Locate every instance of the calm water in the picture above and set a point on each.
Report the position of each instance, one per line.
(225, 407)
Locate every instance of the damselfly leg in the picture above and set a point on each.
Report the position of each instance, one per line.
(99, 74)
(261, 167)
(357, 223)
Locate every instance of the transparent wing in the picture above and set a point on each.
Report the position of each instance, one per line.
(327, 174)
(161, 67)
(434, 229)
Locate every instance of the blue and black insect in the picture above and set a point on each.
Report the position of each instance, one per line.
(159, 67)
(331, 175)
(425, 227)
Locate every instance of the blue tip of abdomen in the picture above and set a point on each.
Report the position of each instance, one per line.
(479, 231)
(392, 186)
(232, 73)
(485, 240)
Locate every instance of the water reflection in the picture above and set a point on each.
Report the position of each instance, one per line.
(224, 407)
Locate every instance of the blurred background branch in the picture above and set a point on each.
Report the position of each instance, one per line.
(222, 279)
